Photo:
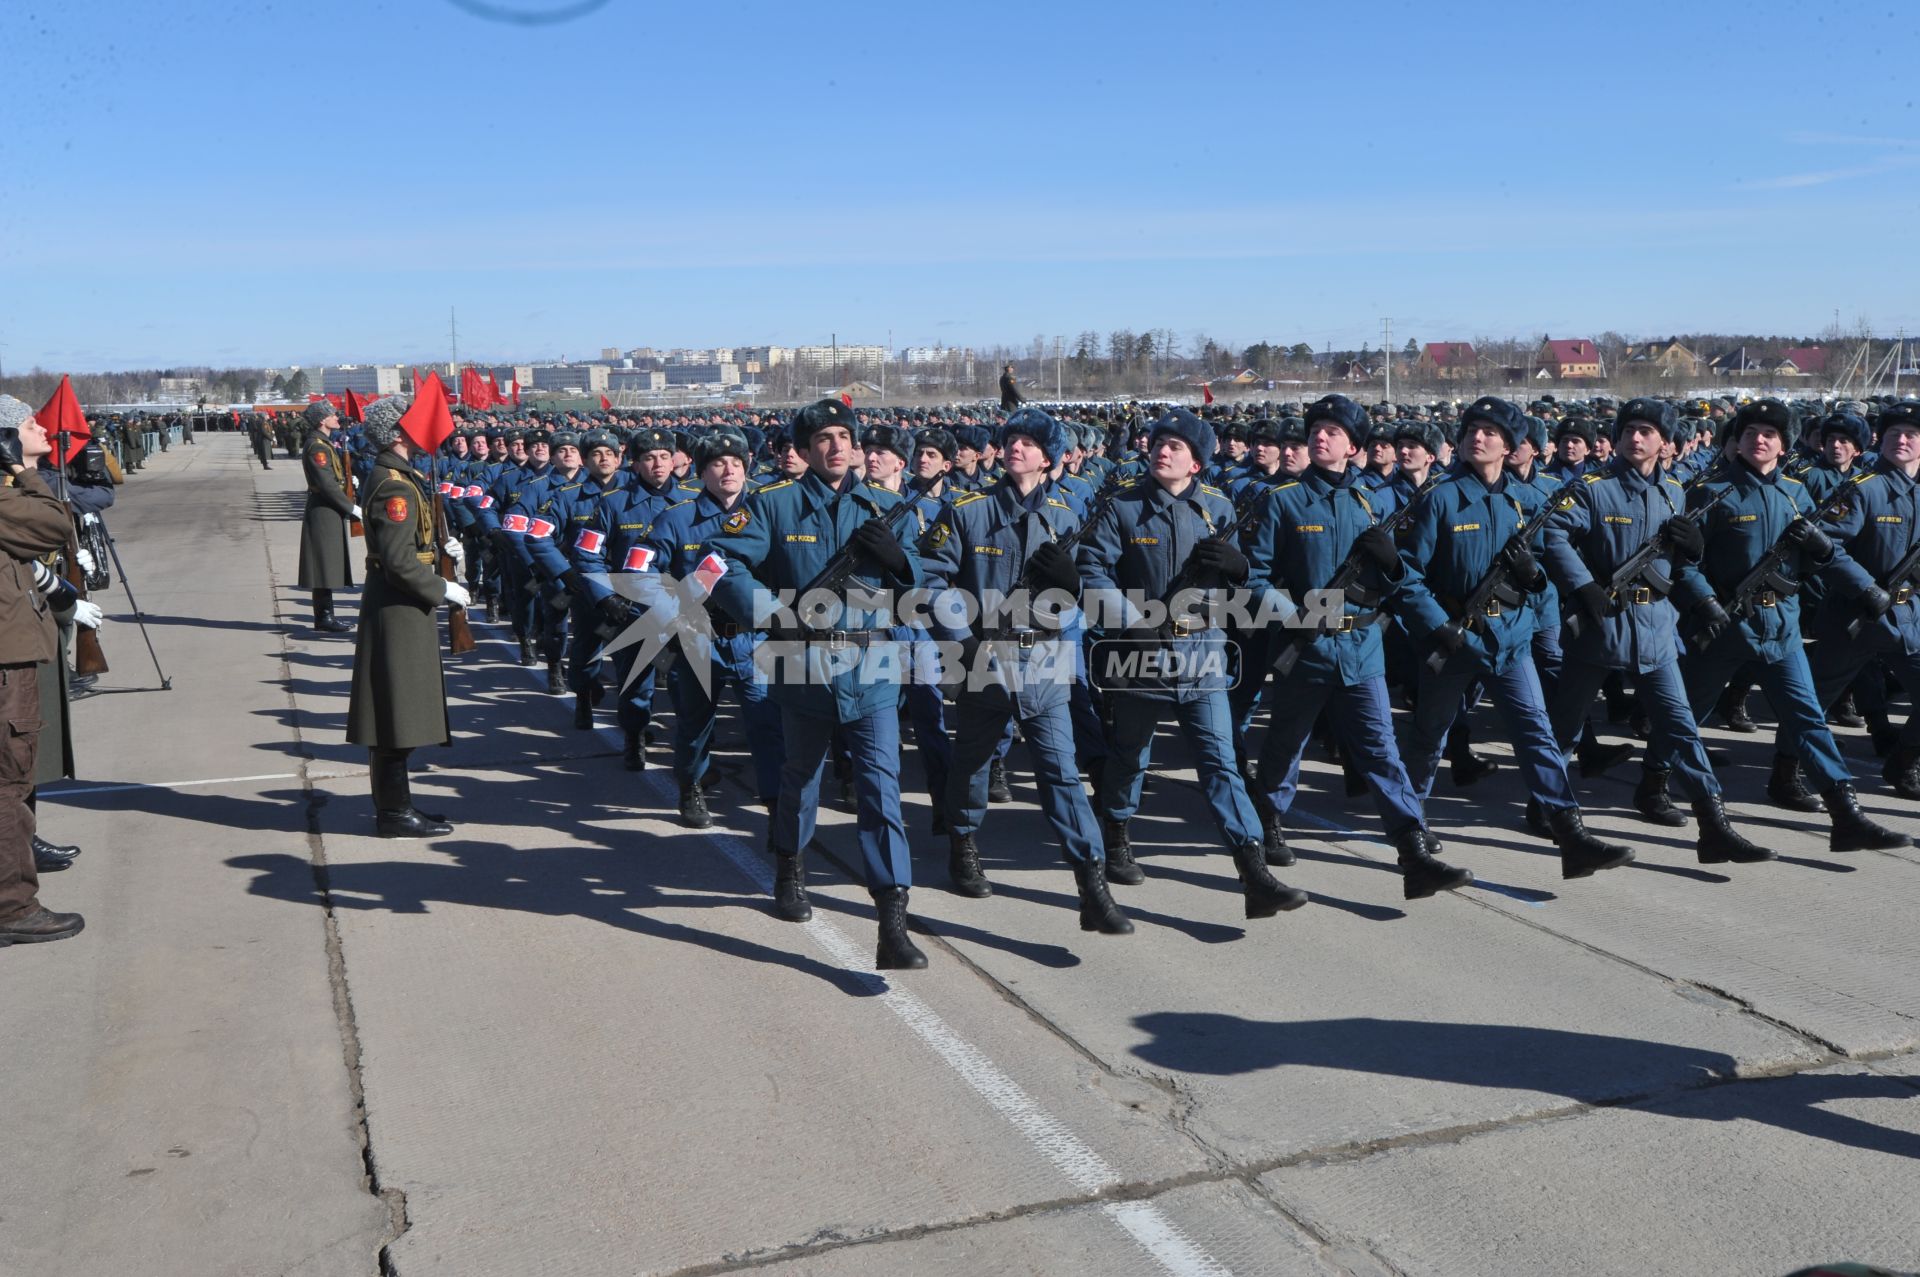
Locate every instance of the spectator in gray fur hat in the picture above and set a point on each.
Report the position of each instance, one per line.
(13, 413)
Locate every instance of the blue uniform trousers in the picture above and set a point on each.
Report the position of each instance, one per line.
(1663, 699)
(583, 657)
(926, 711)
(634, 709)
(874, 743)
(729, 660)
(1364, 722)
(1207, 723)
(1789, 688)
(981, 721)
(1516, 695)
(1836, 669)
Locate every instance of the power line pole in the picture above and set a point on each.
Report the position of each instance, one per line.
(453, 342)
(1059, 353)
(1386, 348)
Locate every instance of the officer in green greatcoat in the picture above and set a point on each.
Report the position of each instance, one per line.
(399, 697)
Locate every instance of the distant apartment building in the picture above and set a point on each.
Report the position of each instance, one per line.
(580, 379)
(630, 379)
(709, 374)
(847, 362)
(933, 364)
(611, 353)
(180, 389)
(765, 357)
(361, 379)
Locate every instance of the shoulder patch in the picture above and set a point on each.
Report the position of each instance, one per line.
(396, 509)
(736, 522)
(319, 457)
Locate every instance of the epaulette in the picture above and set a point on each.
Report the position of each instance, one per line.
(1211, 491)
(1871, 474)
(1675, 482)
(1596, 477)
(1790, 479)
(773, 487)
(676, 505)
(1292, 483)
(1058, 505)
(968, 498)
(1360, 494)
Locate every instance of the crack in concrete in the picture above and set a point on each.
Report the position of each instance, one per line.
(393, 1199)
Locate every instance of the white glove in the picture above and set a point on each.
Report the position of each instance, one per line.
(86, 559)
(357, 516)
(457, 595)
(87, 614)
(456, 552)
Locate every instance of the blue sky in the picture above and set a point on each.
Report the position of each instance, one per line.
(272, 184)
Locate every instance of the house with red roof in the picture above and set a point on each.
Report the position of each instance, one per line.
(1807, 361)
(1569, 360)
(1448, 361)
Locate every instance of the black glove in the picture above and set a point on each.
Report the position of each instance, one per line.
(1052, 568)
(1875, 602)
(1524, 570)
(1593, 601)
(1804, 536)
(1708, 618)
(1450, 637)
(875, 540)
(1378, 546)
(1215, 560)
(1684, 536)
(10, 454)
(616, 609)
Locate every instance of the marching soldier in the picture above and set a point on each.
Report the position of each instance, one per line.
(1307, 531)
(784, 538)
(1629, 625)
(324, 566)
(399, 698)
(1157, 539)
(994, 546)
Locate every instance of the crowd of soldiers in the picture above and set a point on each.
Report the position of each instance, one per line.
(1265, 575)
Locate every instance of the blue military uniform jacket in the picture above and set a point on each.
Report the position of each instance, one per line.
(1304, 533)
(780, 539)
(1452, 536)
(1138, 543)
(980, 547)
(1875, 530)
(612, 537)
(1612, 514)
(1532, 492)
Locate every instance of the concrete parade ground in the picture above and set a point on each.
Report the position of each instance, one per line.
(572, 1039)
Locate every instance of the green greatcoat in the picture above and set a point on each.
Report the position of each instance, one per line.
(399, 696)
(323, 529)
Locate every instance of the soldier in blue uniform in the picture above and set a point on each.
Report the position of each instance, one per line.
(1464, 527)
(568, 507)
(1573, 446)
(1869, 614)
(1001, 547)
(547, 504)
(1152, 539)
(1613, 513)
(717, 650)
(618, 525)
(1307, 529)
(782, 538)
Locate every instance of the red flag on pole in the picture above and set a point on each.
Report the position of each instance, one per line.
(355, 408)
(339, 402)
(429, 422)
(494, 392)
(606, 405)
(516, 393)
(846, 399)
(417, 382)
(1206, 394)
(62, 413)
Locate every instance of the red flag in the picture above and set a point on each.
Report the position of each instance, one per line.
(62, 413)
(355, 408)
(339, 402)
(605, 404)
(516, 393)
(428, 423)
(417, 382)
(236, 415)
(494, 393)
(1206, 394)
(846, 399)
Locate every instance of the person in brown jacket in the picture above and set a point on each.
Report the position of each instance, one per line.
(33, 522)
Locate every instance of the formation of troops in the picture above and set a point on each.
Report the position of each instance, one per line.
(1265, 576)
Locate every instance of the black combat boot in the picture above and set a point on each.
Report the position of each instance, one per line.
(896, 951)
(1266, 895)
(790, 888)
(1537, 819)
(323, 617)
(493, 609)
(1650, 800)
(631, 756)
(1274, 834)
(1788, 788)
(1581, 854)
(1733, 709)
(998, 790)
(1902, 771)
(1466, 767)
(1719, 841)
(1122, 869)
(1852, 831)
(48, 858)
(556, 682)
(1846, 713)
(693, 807)
(1425, 874)
(1596, 759)
(963, 867)
(582, 711)
(526, 651)
(1097, 910)
(409, 823)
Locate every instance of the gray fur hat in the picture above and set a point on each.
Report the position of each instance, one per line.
(13, 413)
(318, 411)
(382, 424)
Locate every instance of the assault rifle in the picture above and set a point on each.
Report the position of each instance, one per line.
(1656, 547)
(1904, 577)
(1344, 578)
(1497, 586)
(1771, 573)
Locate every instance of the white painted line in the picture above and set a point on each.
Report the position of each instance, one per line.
(82, 791)
(1149, 1226)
